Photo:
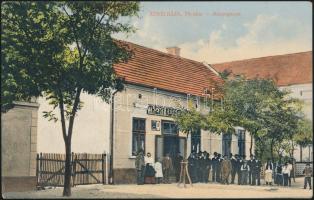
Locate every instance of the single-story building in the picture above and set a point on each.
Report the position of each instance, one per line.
(157, 85)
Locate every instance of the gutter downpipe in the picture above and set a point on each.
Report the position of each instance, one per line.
(111, 138)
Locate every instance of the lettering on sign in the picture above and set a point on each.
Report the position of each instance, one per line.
(162, 110)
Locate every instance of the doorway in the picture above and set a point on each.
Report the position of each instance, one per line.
(169, 141)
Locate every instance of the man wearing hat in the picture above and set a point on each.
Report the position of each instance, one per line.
(218, 171)
(251, 163)
(140, 165)
(234, 167)
(214, 166)
(177, 165)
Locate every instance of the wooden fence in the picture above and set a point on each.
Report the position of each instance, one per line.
(86, 169)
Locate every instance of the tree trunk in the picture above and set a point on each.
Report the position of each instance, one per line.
(292, 152)
(67, 141)
(251, 145)
(301, 153)
(68, 169)
(186, 148)
(272, 150)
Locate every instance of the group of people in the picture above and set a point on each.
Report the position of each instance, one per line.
(218, 169)
(221, 169)
(150, 172)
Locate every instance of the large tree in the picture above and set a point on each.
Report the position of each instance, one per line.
(59, 50)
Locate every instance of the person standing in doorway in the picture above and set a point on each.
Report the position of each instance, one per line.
(167, 167)
(177, 165)
(149, 174)
(140, 165)
(158, 170)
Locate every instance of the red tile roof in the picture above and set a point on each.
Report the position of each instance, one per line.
(285, 70)
(152, 68)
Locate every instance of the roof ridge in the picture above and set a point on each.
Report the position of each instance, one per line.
(271, 56)
(167, 54)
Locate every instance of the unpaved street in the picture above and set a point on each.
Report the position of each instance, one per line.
(172, 191)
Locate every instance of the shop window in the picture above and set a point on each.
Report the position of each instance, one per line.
(241, 142)
(138, 135)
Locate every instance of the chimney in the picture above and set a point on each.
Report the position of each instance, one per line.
(174, 51)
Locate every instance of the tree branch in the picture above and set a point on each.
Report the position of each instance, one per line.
(74, 32)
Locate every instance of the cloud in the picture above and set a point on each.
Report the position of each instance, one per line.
(266, 35)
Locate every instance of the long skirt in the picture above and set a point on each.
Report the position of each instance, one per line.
(268, 176)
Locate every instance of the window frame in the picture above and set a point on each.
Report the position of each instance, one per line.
(138, 133)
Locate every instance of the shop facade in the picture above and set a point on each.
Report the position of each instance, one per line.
(142, 120)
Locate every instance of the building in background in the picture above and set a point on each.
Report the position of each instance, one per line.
(19, 147)
(290, 71)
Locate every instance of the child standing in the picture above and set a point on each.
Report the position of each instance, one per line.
(158, 169)
(308, 174)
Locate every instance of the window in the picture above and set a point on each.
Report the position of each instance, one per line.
(196, 141)
(169, 128)
(241, 142)
(138, 135)
(226, 144)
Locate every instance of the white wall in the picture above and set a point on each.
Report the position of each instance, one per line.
(303, 92)
(90, 133)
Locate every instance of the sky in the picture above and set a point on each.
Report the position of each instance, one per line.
(217, 32)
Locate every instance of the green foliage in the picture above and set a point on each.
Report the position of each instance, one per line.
(61, 49)
(189, 120)
(269, 114)
(304, 134)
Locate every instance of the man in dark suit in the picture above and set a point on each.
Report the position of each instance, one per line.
(250, 163)
(208, 166)
(177, 165)
(218, 171)
(256, 171)
(239, 164)
(234, 167)
(214, 166)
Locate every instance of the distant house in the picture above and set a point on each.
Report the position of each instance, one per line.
(157, 84)
(290, 71)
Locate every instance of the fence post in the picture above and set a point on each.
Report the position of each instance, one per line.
(72, 170)
(40, 167)
(103, 168)
(37, 168)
